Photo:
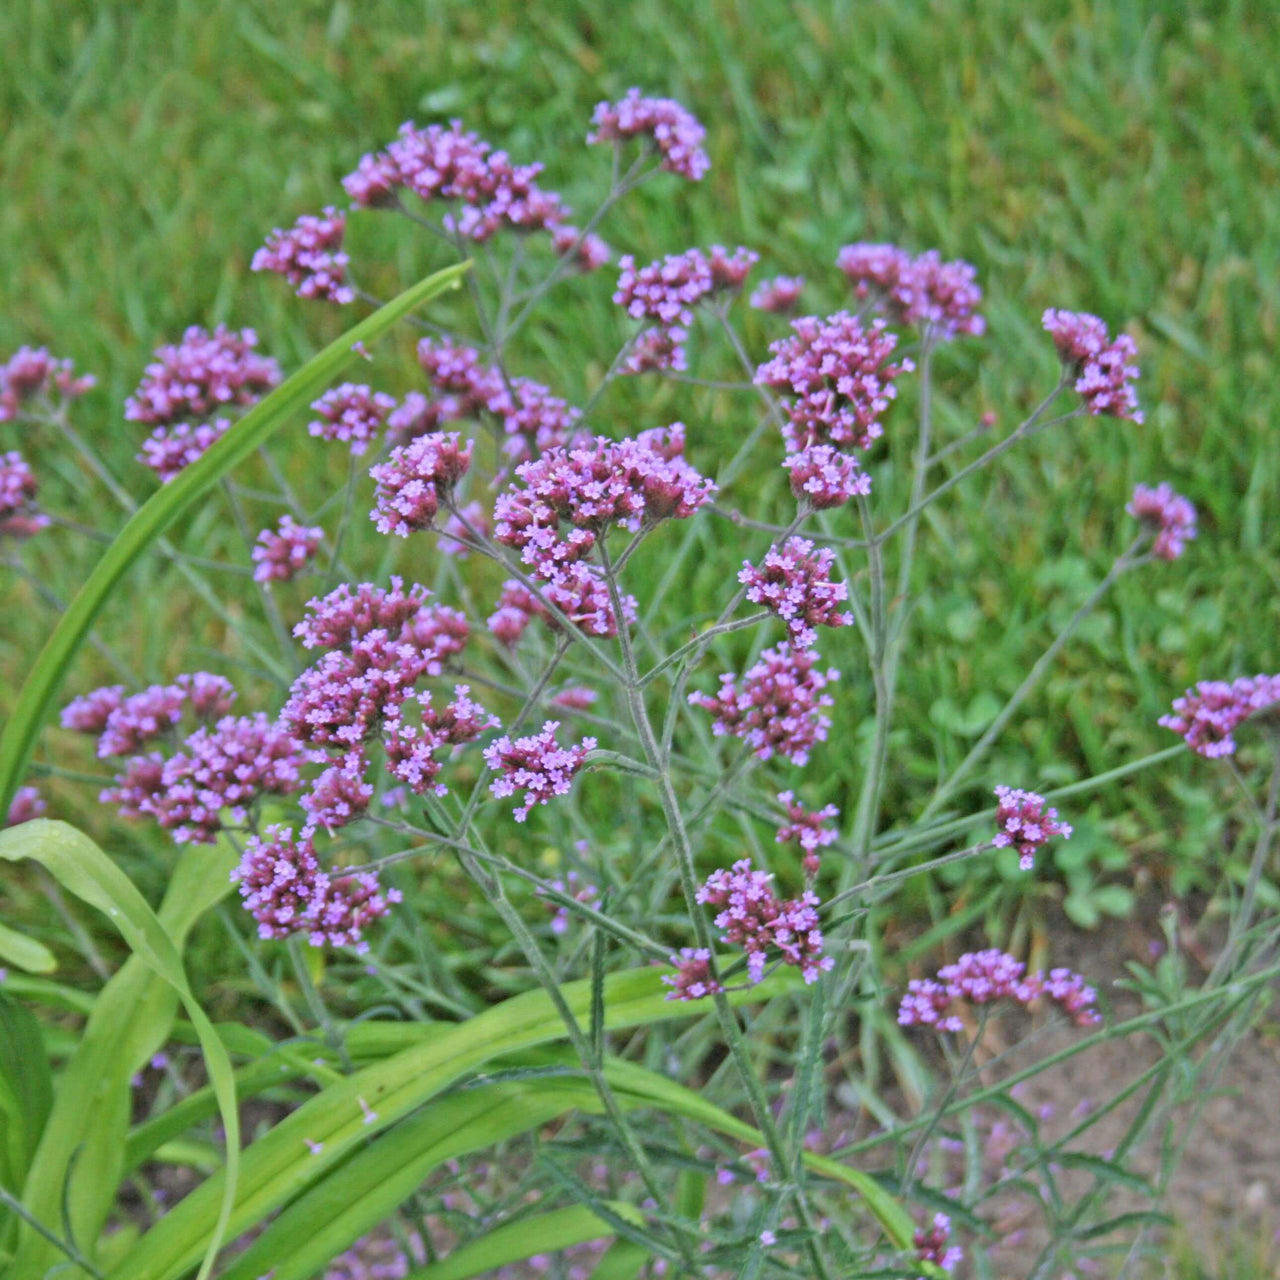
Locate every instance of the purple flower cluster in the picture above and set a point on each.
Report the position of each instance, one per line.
(591, 488)
(1208, 715)
(1024, 822)
(286, 891)
(223, 768)
(537, 765)
(807, 828)
(835, 380)
(168, 451)
(137, 720)
(982, 977)
(693, 978)
(18, 488)
(581, 594)
(339, 619)
(657, 351)
(309, 255)
(1171, 516)
(777, 708)
(32, 371)
(280, 554)
(931, 1244)
(416, 480)
(755, 919)
(589, 252)
(795, 583)
(89, 712)
(924, 292)
(450, 164)
(824, 477)
(674, 131)
(578, 892)
(778, 295)
(339, 796)
(1103, 367)
(202, 373)
(27, 803)
(353, 414)
(411, 747)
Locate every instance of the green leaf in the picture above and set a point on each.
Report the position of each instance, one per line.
(130, 1020)
(168, 503)
(26, 1094)
(25, 953)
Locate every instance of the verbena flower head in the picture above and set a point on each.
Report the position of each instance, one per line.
(581, 594)
(169, 450)
(591, 487)
(1104, 368)
(755, 919)
(488, 192)
(339, 619)
(141, 718)
(589, 252)
(353, 414)
(339, 796)
(931, 1244)
(1025, 823)
(88, 713)
(309, 255)
(807, 827)
(1208, 715)
(533, 418)
(983, 977)
(31, 372)
(223, 770)
(729, 271)
(536, 765)
(579, 892)
(282, 553)
(19, 517)
(794, 581)
(923, 292)
(27, 803)
(416, 480)
(778, 295)
(657, 351)
(202, 373)
(1171, 516)
(458, 374)
(824, 477)
(835, 380)
(664, 291)
(674, 130)
(777, 707)
(209, 697)
(692, 979)
(137, 785)
(411, 748)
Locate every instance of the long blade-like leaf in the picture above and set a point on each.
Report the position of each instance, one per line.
(168, 503)
(84, 870)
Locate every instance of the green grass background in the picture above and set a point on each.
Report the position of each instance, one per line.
(1117, 156)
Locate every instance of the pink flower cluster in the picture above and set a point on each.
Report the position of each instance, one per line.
(1208, 715)
(223, 768)
(18, 488)
(537, 765)
(693, 978)
(203, 373)
(591, 488)
(27, 803)
(280, 554)
(795, 583)
(1103, 367)
(589, 251)
(353, 414)
(411, 747)
(339, 619)
(1024, 822)
(286, 891)
(133, 721)
(824, 477)
(756, 920)
(674, 131)
(416, 480)
(339, 796)
(924, 292)
(32, 371)
(309, 255)
(450, 164)
(581, 594)
(778, 706)
(778, 295)
(167, 451)
(982, 977)
(807, 828)
(931, 1244)
(835, 380)
(1171, 516)
(571, 886)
